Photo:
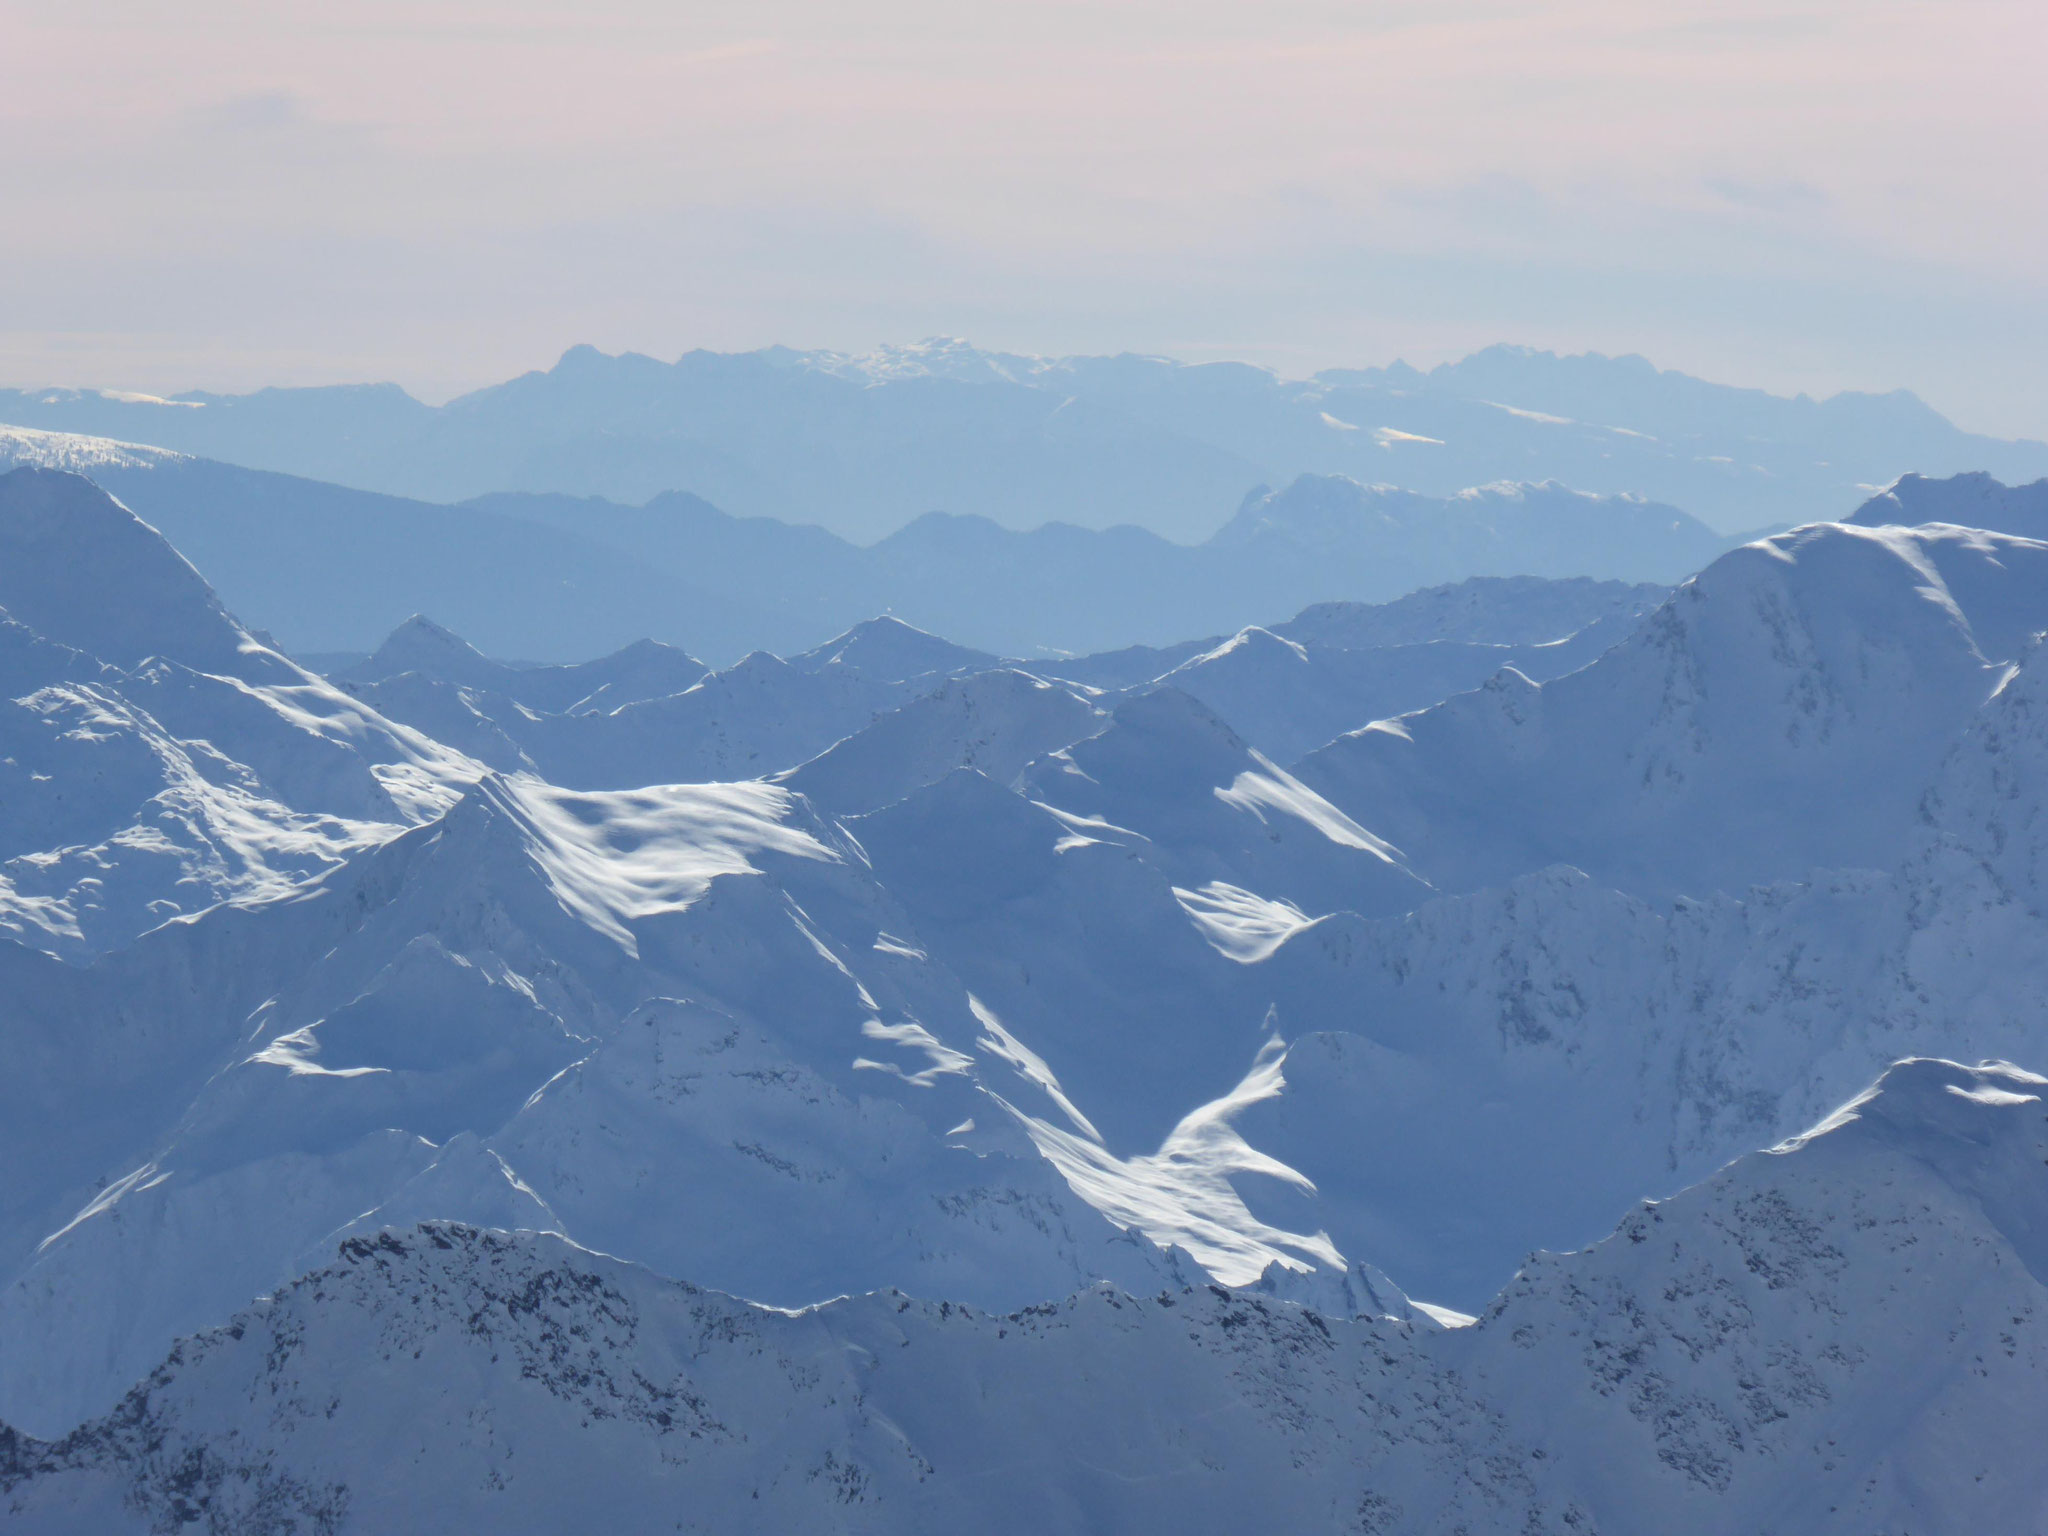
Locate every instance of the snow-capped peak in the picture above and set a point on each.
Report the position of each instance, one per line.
(77, 452)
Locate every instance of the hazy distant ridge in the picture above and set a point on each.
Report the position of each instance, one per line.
(560, 578)
(864, 444)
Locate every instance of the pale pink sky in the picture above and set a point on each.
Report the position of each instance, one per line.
(1808, 194)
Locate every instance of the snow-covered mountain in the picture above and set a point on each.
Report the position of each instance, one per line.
(892, 964)
(1841, 1335)
(1784, 711)
(461, 1025)
(766, 716)
(1216, 811)
(864, 444)
(1969, 501)
(456, 1020)
(997, 722)
(327, 569)
(1355, 533)
(158, 758)
(646, 669)
(1288, 698)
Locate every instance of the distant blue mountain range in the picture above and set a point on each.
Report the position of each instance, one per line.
(863, 445)
(542, 577)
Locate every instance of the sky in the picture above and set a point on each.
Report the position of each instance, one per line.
(1805, 194)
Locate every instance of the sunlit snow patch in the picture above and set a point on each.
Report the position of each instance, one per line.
(611, 858)
(1240, 924)
(911, 1035)
(77, 452)
(1182, 1195)
(1542, 416)
(1272, 788)
(1443, 1315)
(1006, 1047)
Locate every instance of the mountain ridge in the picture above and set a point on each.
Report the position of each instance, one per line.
(559, 578)
(824, 437)
(1714, 1353)
(1052, 982)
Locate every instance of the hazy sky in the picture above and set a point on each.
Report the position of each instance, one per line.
(1803, 194)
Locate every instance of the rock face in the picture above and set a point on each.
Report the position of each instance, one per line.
(1848, 1333)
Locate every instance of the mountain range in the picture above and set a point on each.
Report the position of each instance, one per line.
(895, 1087)
(326, 570)
(1810, 1341)
(864, 444)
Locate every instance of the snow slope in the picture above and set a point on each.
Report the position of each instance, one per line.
(1842, 1335)
(1288, 698)
(1212, 809)
(420, 647)
(1622, 1044)
(1969, 501)
(469, 1022)
(1783, 711)
(158, 758)
(761, 716)
(996, 722)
